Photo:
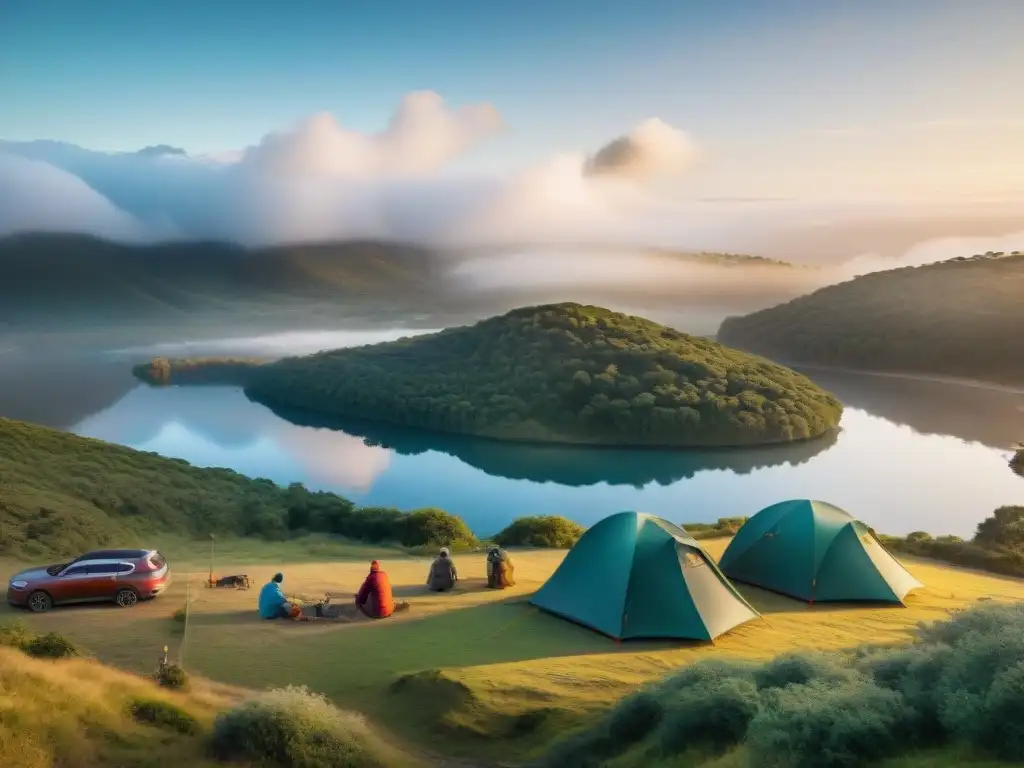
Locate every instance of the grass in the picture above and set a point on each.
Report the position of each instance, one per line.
(473, 672)
(81, 714)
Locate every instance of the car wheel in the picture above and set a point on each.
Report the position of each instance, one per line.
(39, 602)
(126, 598)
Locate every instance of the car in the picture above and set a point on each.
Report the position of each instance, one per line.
(121, 576)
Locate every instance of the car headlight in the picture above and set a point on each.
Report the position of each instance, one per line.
(19, 584)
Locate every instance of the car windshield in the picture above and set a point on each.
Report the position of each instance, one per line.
(53, 570)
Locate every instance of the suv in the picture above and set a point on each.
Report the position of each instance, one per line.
(122, 576)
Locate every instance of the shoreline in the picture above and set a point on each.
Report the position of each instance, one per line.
(925, 377)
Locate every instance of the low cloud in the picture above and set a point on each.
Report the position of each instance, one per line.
(931, 251)
(38, 196)
(319, 180)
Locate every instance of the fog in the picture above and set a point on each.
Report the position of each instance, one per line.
(273, 345)
(318, 180)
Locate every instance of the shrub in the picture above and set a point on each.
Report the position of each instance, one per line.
(714, 711)
(14, 635)
(725, 526)
(983, 619)
(705, 671)
(432, 527)
(799, 668)
(634, 718)
(589, 749)
(180, 615)
(295, 729)
(978, 658)
(52, 645)
(914, 672)
(172, 676)
(824, 725)
(163, 714)
(1001, 726)
(541, 531)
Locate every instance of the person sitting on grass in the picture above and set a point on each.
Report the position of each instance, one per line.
(374, 598)
(500, 570)
(273, 604)
(442, 576)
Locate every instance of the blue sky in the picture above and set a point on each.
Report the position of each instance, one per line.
(209, 76)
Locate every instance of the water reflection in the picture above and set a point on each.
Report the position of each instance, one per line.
(887, 474)
(565, 465)
(987, 415)
(215, 426)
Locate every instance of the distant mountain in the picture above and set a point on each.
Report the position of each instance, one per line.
(961, 318)
(47, 280)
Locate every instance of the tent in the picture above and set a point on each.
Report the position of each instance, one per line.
(634, 575)
(816, 552)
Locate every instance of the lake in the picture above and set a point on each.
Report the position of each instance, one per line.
(910, 455)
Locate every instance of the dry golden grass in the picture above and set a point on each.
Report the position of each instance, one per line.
(492, 656)
(76, 714)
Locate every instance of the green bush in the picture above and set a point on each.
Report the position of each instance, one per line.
(914, 672)
(799, 668)
(825, 725)
(724, 526)
(715, 712)
(14, 635)
(541, 531)
(982, 619)
(432, 527)
(634, 718)
(163, 714)
(52, 645)
(707, 670)
(294, 728)
(971, 671)
(1002, 719)
(172, 676)
(181, 615)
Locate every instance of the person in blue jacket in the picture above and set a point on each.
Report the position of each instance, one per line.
(273, 604)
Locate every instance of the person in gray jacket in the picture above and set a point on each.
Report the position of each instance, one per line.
(443, 575)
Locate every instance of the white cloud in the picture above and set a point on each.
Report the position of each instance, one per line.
(422, 137)
(320, 181)
(37, 196)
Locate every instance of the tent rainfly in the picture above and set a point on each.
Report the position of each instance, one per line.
(815, 552)
(638, 576)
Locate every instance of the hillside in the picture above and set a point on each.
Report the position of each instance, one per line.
(559, 373)
(959, 318)
(47, 280)
(61, 494)
(57, 277)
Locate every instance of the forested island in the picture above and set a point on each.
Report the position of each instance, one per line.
(1017, 462)
(960, 318)
(562, 373)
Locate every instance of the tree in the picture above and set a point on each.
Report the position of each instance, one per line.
(1004, 530)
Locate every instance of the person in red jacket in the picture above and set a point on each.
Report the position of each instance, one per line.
(374, 598)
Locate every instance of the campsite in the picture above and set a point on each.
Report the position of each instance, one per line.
(474, 673)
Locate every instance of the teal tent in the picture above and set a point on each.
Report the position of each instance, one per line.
(816, 552)
(634, 575)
